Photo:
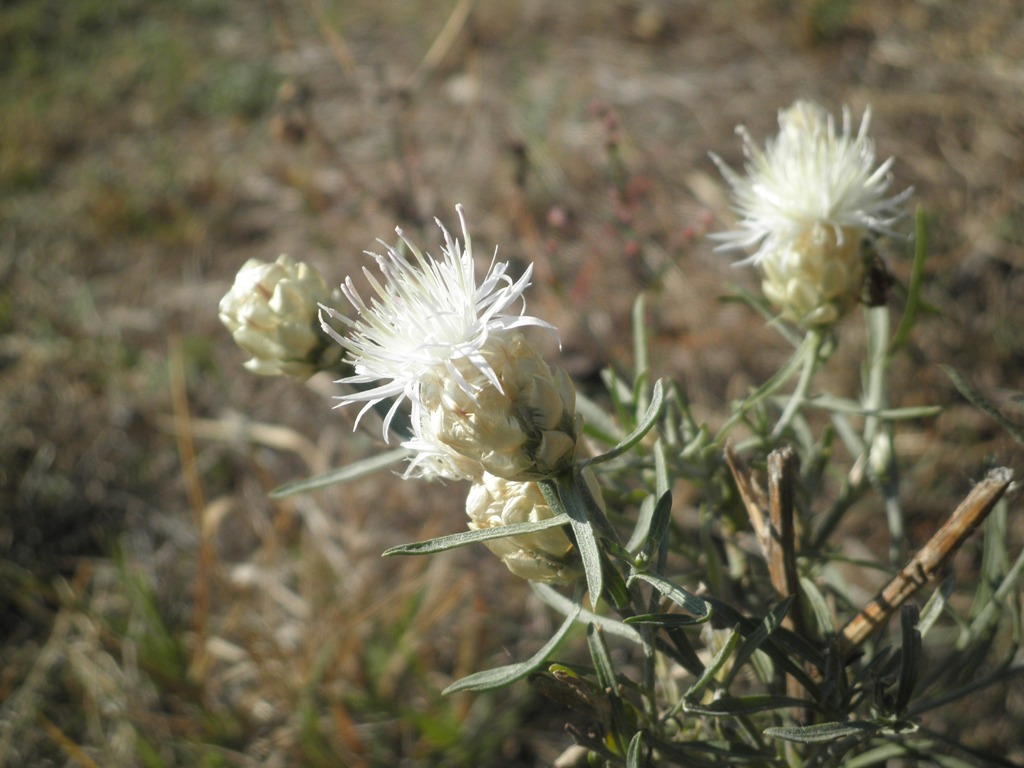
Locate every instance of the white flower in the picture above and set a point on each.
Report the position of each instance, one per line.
(805, 204)
(271, 312)
(810, 175)
(546, 556)
(432, 335)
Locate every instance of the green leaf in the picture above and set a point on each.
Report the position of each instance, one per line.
(910, 657)
(343, 474)
(819, 606)
(780, 645)
(758, 637)
(914, 287)
(714, 667)
(821, 732)
(642, 528)
(659, 525)
(634, 437)
(852, 407)
(634, 754)
(596, 422)
(744, 705)
(607, 682)
(780, 377)
(877, 755)
(502, 676)
(1003, 675)
(565, 606)
(689, 602)
(461, 539)
(665, 619)
(763, 308)
(934, 607)
(614, 585)
(978, 400)
(563, 495)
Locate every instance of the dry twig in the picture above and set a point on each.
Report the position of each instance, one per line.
(927, 562)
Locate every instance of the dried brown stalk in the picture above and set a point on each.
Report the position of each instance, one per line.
(772, 520)
(771, 517)
(197, 500)
(927, 562)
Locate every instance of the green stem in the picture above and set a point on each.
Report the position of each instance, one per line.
(780, 377)
(884, 478)
(812, 347)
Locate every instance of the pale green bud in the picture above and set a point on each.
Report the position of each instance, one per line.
(272, 314)
(546, 556)
(816, 278)
(519, 423)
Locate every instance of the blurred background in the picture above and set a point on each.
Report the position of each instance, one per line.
(156, 607)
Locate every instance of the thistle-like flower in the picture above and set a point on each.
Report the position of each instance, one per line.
(546, 556)
(805, 204)
(271, 312)
(482, 399)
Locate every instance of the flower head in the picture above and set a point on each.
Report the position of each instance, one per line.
(522, 425)
(805, 203)
(546, 556)
(271, 312)
(433, 335)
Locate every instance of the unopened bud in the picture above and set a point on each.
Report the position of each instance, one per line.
(519, 425)
(546, 556)
(271, 312)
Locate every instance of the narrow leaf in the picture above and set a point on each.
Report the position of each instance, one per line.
(563, 496)
(821, 732)
(565, 606)
(343, 474)
(714, 667)
(910, 657)
(606, 681)
(634, 754)
(634, 437)
(852, 407)
(934, 607)
(914, 286)
(877, 755)
(757, 638)
(642, 529)
(596, 422)
(461, 539)
(685, 600)
(982, 404)
(665, 620)
(659, 524)
(502, 676)
(744, 705)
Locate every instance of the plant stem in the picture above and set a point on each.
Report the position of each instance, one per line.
(881, 469)
(812, 346)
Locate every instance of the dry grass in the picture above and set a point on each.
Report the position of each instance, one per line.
(158, 608)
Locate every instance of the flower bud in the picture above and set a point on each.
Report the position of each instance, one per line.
(546, 556)
(272, 314)
(513, 416)
(816, 278)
